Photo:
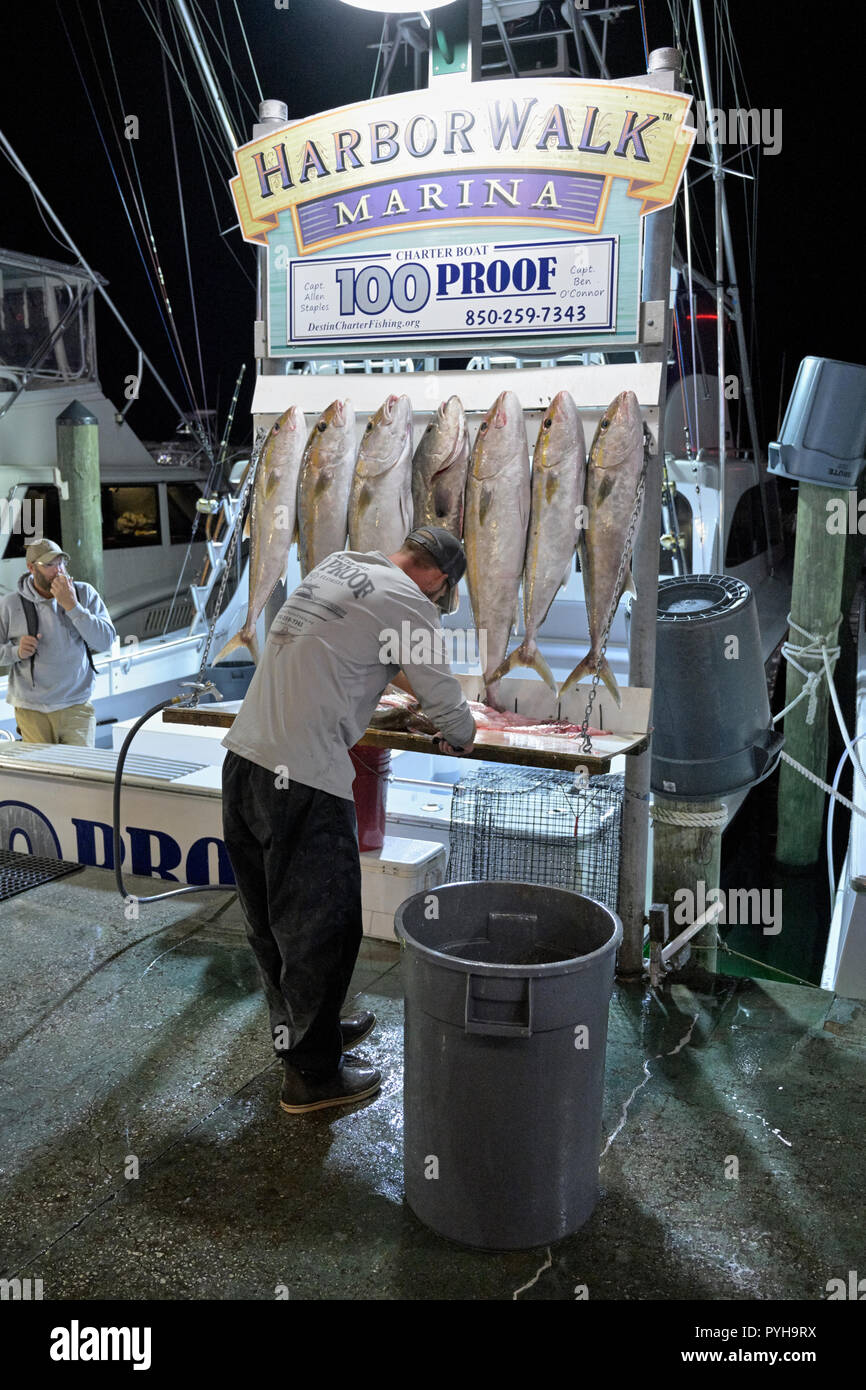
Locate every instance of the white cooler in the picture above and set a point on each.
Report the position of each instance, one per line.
(392, 874)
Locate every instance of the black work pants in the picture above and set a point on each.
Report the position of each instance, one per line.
(294, 852)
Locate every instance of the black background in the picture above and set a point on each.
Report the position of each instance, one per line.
(800, 59)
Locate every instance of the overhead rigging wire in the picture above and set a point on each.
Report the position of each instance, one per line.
(143, 209)
(181, 367)
(249, 54)
(240, 91)
(205, 167)
(218, 148)
(205, 428)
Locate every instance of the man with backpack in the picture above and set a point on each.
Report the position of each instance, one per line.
(48, 632)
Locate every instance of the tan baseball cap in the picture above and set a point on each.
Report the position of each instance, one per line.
(45, 552)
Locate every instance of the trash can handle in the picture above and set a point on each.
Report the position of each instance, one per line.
(493, 1027)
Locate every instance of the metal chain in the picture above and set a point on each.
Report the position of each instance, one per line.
(586, 746)
(257, 453)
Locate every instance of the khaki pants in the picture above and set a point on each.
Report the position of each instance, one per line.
(75, 724)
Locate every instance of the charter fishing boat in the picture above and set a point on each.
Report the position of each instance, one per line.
(154, 538)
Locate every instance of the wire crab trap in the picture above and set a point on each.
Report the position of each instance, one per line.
(529, 826)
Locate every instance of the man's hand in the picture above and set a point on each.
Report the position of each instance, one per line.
(27, 646)
(62, 590)
(455, 752)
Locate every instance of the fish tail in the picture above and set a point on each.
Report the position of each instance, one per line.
(526, 655)
(239, 640)
(505, 666)
(587, 668)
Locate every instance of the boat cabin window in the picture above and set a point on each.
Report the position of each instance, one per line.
(130, 517)
(182, 498)
(39, 516)
(746, 537)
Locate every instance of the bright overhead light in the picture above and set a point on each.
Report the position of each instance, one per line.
(397, 6)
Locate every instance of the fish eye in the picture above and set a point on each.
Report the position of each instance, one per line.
(604, 423)
(321, 427)
(369, 427)
(483, 426)
(548, 422)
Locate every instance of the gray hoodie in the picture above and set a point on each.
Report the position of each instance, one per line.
(60, 674)
(326, 663)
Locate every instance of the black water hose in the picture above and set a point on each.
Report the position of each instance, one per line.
(118, 776)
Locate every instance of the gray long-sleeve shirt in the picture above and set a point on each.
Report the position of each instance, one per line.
(60, 675)
(329, 655)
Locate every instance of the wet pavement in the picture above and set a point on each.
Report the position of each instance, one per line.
(144, 1155)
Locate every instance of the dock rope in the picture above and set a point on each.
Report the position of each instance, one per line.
(825, 786)
(701, 820)
(816, 648)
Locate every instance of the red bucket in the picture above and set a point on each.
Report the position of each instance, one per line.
(372, 767)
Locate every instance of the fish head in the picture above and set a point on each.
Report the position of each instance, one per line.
(332, 436)
(284, 442)
(619, 435)
(499, 435)
(445, 436)
(387, 436)
(290, 420)
(561, 432)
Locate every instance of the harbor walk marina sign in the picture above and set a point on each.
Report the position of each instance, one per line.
(502, 211)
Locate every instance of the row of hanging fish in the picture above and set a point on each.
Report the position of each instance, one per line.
(517, 528)
(522, 528)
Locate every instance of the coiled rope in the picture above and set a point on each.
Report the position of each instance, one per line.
(711, 820)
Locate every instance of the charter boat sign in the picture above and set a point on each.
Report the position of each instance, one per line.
(501, 211)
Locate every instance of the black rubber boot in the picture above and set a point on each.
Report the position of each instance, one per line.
(354, 1080)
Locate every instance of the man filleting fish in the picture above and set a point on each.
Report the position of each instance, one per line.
(288, 813)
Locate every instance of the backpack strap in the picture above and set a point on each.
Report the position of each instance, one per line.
(31, 618)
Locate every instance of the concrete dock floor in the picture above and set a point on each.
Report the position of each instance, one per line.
(144, 1155)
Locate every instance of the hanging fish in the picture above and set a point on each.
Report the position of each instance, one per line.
(323, 491)
(273, 520)
(495, 524)
(558, 479)
(380, 502)
(612, 476)
(439, 470)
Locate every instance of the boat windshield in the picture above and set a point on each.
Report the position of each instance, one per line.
(46, 324)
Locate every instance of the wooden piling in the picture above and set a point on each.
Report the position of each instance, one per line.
(819, 559)
(685, 856)
(81, 510)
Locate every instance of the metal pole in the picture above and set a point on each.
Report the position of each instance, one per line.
(718, 180)
(207, 74)
(16, 162)
(642, 629)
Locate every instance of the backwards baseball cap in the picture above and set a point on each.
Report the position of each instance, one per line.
(449, 555)
(45, 553)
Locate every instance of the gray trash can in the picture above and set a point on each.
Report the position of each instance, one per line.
(507, 989)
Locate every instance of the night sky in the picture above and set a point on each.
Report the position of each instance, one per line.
(798, 59)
